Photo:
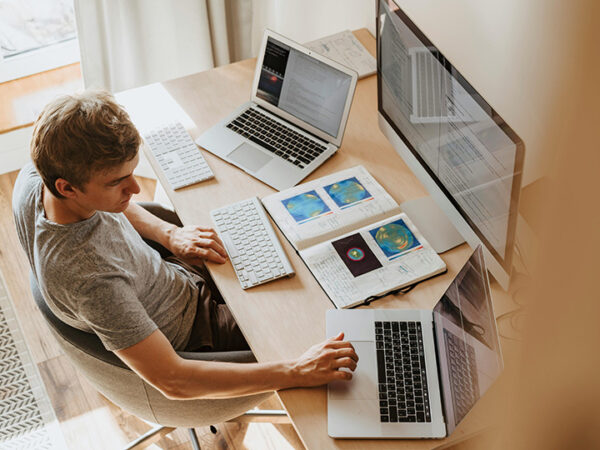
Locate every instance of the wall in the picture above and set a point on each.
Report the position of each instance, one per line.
(512, 51)
(307, 20)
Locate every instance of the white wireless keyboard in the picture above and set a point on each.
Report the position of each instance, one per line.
(178, 156)
(251, 242)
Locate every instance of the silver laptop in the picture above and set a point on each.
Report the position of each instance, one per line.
(296, 117)
(419, 372)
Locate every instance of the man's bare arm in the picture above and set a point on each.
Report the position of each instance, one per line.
(156, 362)
(192, 243)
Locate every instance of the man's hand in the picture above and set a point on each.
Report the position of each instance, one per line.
(321, 363)
(195, 244)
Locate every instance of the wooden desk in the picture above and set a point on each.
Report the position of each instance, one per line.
(283, 318)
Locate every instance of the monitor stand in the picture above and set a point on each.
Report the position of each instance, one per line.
(432, 223)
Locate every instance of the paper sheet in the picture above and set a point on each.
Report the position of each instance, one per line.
(346, 49)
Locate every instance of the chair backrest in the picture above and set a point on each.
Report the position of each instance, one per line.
(111, 377)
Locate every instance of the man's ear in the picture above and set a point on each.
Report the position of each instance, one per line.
(65, 188)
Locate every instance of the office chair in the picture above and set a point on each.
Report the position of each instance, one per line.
(113, 379)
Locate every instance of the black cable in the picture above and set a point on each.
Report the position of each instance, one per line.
(404, 290)
(511, 315)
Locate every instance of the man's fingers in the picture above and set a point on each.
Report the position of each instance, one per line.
(209, 243)
(209, 254)
(340, 344)
(346, 353)
(342, 375)
(211, 234)
(205, 229)
(339, 337)
(348, 363)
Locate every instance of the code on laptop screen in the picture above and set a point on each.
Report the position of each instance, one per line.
(303, 86)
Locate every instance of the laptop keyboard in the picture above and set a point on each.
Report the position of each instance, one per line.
(403, 395)
(276, 137)
(464, 383)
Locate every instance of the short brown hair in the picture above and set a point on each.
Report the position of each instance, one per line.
(78, 135)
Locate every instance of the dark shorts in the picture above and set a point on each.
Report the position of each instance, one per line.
(214, 328)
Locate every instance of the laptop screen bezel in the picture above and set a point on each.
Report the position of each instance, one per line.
(335, 140)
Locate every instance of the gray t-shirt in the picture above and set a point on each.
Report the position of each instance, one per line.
(98, 275)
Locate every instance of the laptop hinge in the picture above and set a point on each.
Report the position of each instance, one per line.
(439, 372)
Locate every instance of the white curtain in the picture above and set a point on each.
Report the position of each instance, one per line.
(130, 43)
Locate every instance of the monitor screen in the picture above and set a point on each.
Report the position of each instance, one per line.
(467, 345)
(465, 147)
(303, 86)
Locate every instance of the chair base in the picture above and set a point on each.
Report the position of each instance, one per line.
(150, 437)
(263, 416)
(154, 435)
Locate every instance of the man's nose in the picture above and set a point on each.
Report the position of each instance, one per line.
(133, 187)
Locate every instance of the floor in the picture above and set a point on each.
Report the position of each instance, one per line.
(28, 27)
(23, 99)
(87, 419)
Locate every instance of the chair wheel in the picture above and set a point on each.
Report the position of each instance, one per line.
(213, 429)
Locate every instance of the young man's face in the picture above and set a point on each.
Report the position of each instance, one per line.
(112, 189)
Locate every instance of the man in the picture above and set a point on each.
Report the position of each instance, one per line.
(84, 241)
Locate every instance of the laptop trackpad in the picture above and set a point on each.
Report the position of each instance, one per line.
(249, 157)
(363, 385)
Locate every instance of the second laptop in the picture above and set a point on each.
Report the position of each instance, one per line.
(295, 119)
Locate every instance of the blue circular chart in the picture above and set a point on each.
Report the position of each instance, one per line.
(394, 238)
(305, 206)
(346, 192)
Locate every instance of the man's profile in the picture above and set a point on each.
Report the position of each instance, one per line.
(87, 245)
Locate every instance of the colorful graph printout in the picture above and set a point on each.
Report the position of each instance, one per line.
(395, 238)
(306, 206)
(355, 253)
(348, 192)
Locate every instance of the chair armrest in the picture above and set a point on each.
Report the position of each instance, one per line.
(240, 356)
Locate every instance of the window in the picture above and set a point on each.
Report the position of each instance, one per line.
(35, 36)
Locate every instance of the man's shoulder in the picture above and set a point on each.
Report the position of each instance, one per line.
(26, 193)
(26, 187)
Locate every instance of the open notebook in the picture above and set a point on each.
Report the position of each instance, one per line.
(353, 236)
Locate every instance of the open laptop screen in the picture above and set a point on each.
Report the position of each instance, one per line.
(468, 351)
(303, 86)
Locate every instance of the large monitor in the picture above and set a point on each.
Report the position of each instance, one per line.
(463, 152)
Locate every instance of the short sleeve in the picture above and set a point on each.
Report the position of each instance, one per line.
(111, 308)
